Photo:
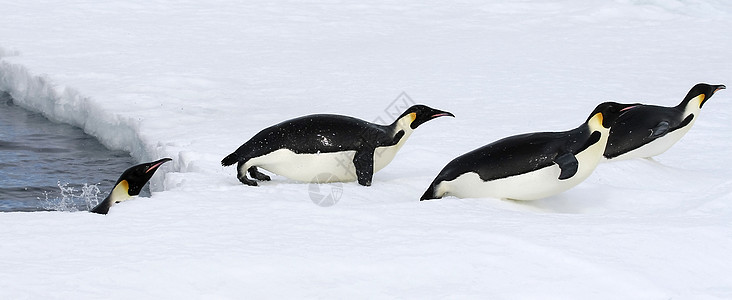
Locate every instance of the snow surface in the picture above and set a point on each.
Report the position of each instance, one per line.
(193, 80)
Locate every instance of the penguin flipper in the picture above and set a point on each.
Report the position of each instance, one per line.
(364, 163)
(660, 130)
(102, 207)
(568, 164)
(398, 136)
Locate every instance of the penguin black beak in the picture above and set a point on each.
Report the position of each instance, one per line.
(156, 164)
(442, 114)
(628, 108)
(720, 87)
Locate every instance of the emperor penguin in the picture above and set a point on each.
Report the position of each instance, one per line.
(346, 148)
(529, 166)
(129, 184)
(649, 130)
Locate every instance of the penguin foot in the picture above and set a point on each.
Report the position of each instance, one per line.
(247, 181)
(261, 177)
(258, 175)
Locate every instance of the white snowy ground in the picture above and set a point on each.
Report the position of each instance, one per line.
(192, 80)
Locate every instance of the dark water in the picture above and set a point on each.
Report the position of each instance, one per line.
(51, 166)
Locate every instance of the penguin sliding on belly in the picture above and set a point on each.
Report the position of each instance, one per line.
(129, 184)
(346, 148)
(649, 130)
(529, 166)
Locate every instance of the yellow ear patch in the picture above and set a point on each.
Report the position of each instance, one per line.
(412, 116)
(701, 99)
(599, 119)
(124, 185)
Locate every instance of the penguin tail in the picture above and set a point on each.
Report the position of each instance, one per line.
(230, 159)
(430, 193)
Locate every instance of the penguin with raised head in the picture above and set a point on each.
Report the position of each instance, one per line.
(649, 130)
(346, 148)
(129, 184)
(529, 166)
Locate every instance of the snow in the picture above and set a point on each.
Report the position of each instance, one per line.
(193, 80)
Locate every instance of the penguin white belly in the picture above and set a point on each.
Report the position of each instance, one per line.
(120, 192)
(657, 146)
(384, 155)
(528, 186)
(532, 185)
(306, 167)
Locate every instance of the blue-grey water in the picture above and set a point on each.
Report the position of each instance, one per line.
(51, 166)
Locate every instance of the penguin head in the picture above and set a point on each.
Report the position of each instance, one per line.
(419, 114)
(702, 91)
(606, 113)
(137, 176)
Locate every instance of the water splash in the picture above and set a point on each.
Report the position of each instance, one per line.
(69, 200)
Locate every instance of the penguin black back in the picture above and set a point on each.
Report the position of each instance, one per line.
(305, 147)
(312, 134)
(511, 160)
(649, 130)
(522, 153)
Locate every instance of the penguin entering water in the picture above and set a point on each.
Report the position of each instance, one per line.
(129, 185)
(649, 130)
(348, 148)
(529, 166)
